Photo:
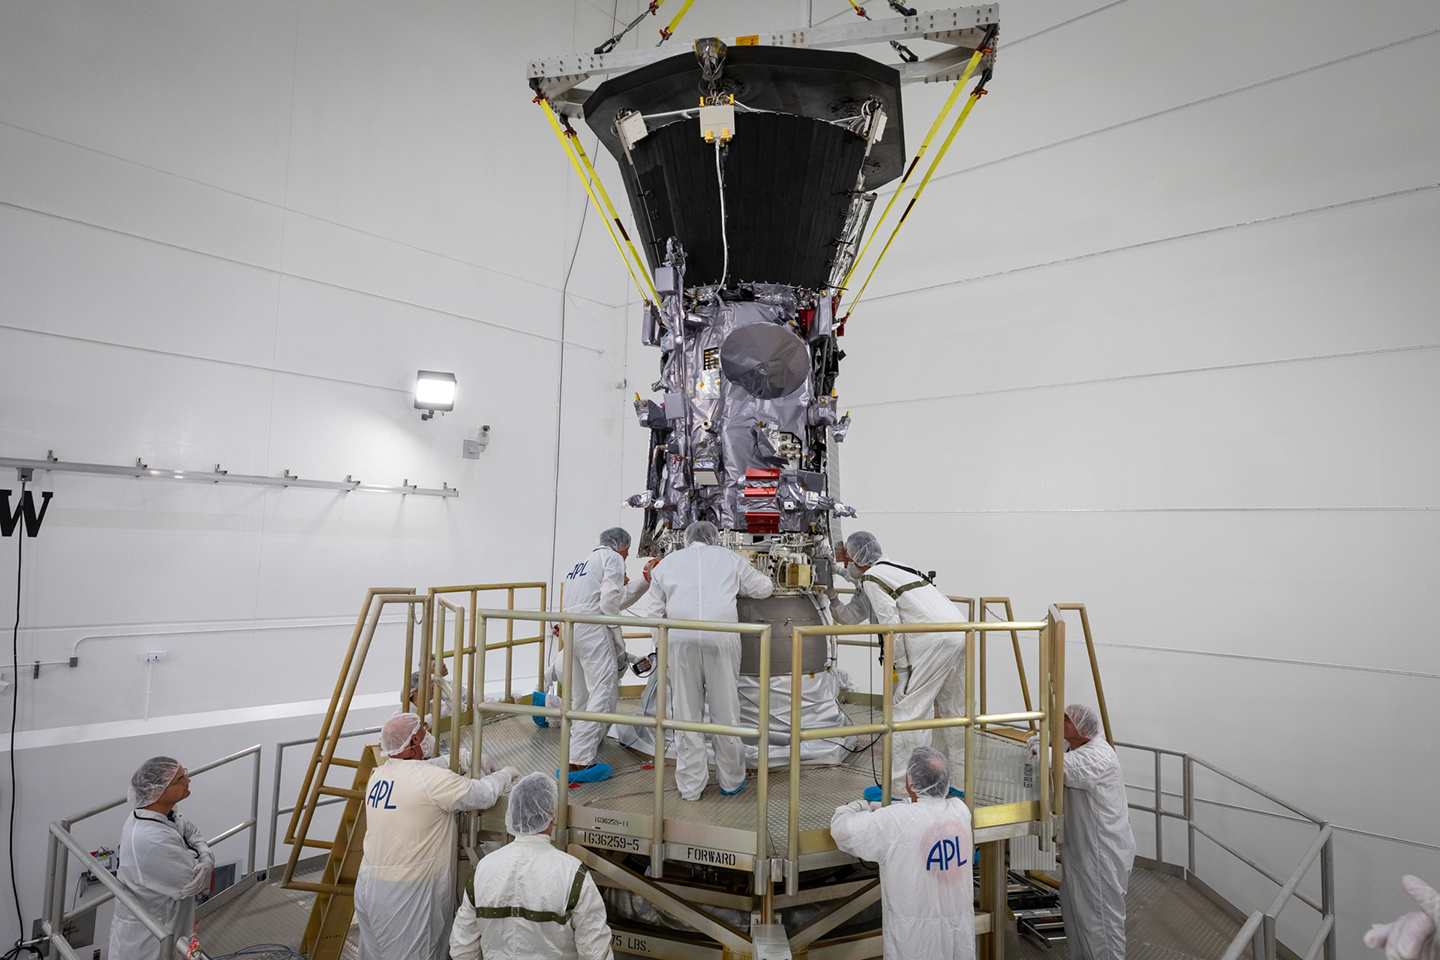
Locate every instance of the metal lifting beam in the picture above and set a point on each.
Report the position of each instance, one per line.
(961, 27)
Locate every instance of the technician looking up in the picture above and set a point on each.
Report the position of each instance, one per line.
(598, 585)
(701, 582)
(924, 849)
(164, 861)
(404, 895)
(929, 667)
(528, 900)
(1099, 848)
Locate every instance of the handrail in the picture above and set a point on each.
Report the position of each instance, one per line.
(276, 811)
(660, 722)
(117, 891)
(54, 915)
(1259, 929)
(1051, 633)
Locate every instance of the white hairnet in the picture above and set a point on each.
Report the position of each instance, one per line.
(616, 538)
(414, 681)
(701, 531)
(1087, 721)
(532, 804)
(151, 779)
(397, 733)
(929, 772)
(863, 548)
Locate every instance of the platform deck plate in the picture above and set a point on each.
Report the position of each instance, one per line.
(517, 741)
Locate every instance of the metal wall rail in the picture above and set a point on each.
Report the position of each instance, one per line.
(276, 811)
(1051, 633)
(660, 723)
(144, 471)
(1323, 849)
(60, 839)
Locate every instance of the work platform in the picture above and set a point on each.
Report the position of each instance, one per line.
(721, 829)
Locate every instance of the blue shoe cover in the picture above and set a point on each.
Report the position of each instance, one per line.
(731, 793)
(538, 699)
(591, 774)
(957, 793)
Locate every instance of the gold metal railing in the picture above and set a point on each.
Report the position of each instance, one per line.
(434, 606)
(661, 722)
(1051, 632)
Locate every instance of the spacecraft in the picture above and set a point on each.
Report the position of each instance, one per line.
(752, 169)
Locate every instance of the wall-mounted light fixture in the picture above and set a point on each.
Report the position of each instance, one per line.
(434, 391)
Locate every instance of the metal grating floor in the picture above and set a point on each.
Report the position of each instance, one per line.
(266, 914)
(519, 742)
(1166, 919)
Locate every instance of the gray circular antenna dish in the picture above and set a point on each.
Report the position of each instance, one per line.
(768, 361)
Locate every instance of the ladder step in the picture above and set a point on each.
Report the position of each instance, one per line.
(322, 844)
(343, 792)
(342, 762)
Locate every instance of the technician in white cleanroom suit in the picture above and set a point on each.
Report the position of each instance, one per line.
(924, 849)
(1099, 848)
(405, 893)
(596, 585)
(528, 900)
(164, 861)
(701, 582)
(930, 666)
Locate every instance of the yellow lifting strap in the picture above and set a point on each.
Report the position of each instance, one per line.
(581, 163)
(615, 218)
(924, 146)
(944, 147)
(669, 30)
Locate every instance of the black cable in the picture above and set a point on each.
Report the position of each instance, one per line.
(15, 703)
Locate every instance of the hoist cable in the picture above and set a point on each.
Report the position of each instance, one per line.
(611, 43)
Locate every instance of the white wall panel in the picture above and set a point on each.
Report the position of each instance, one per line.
(198, 91)
(40, 172)
(1216, 164)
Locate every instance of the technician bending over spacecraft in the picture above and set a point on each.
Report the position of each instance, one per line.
(598, 585)
(930, 666)
(701, 582)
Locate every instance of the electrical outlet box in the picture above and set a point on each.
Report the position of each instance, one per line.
(155, 656)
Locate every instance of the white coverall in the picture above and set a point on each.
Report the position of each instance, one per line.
(532, 875)
(701, 582)
(596, 585)
(931, 666)
(1097, 854)
(405, 892)
(163, 864)
(924, 850)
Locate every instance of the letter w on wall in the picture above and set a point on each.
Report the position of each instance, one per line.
(9, 521)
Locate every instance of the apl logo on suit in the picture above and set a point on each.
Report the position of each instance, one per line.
(26, 509)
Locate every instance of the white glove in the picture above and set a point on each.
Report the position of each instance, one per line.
(1412, 937)
(506, 777)
(1034, 744)
(859, 806)
(487, 766)
(844, 571)
(206, 855)
(199, 880)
